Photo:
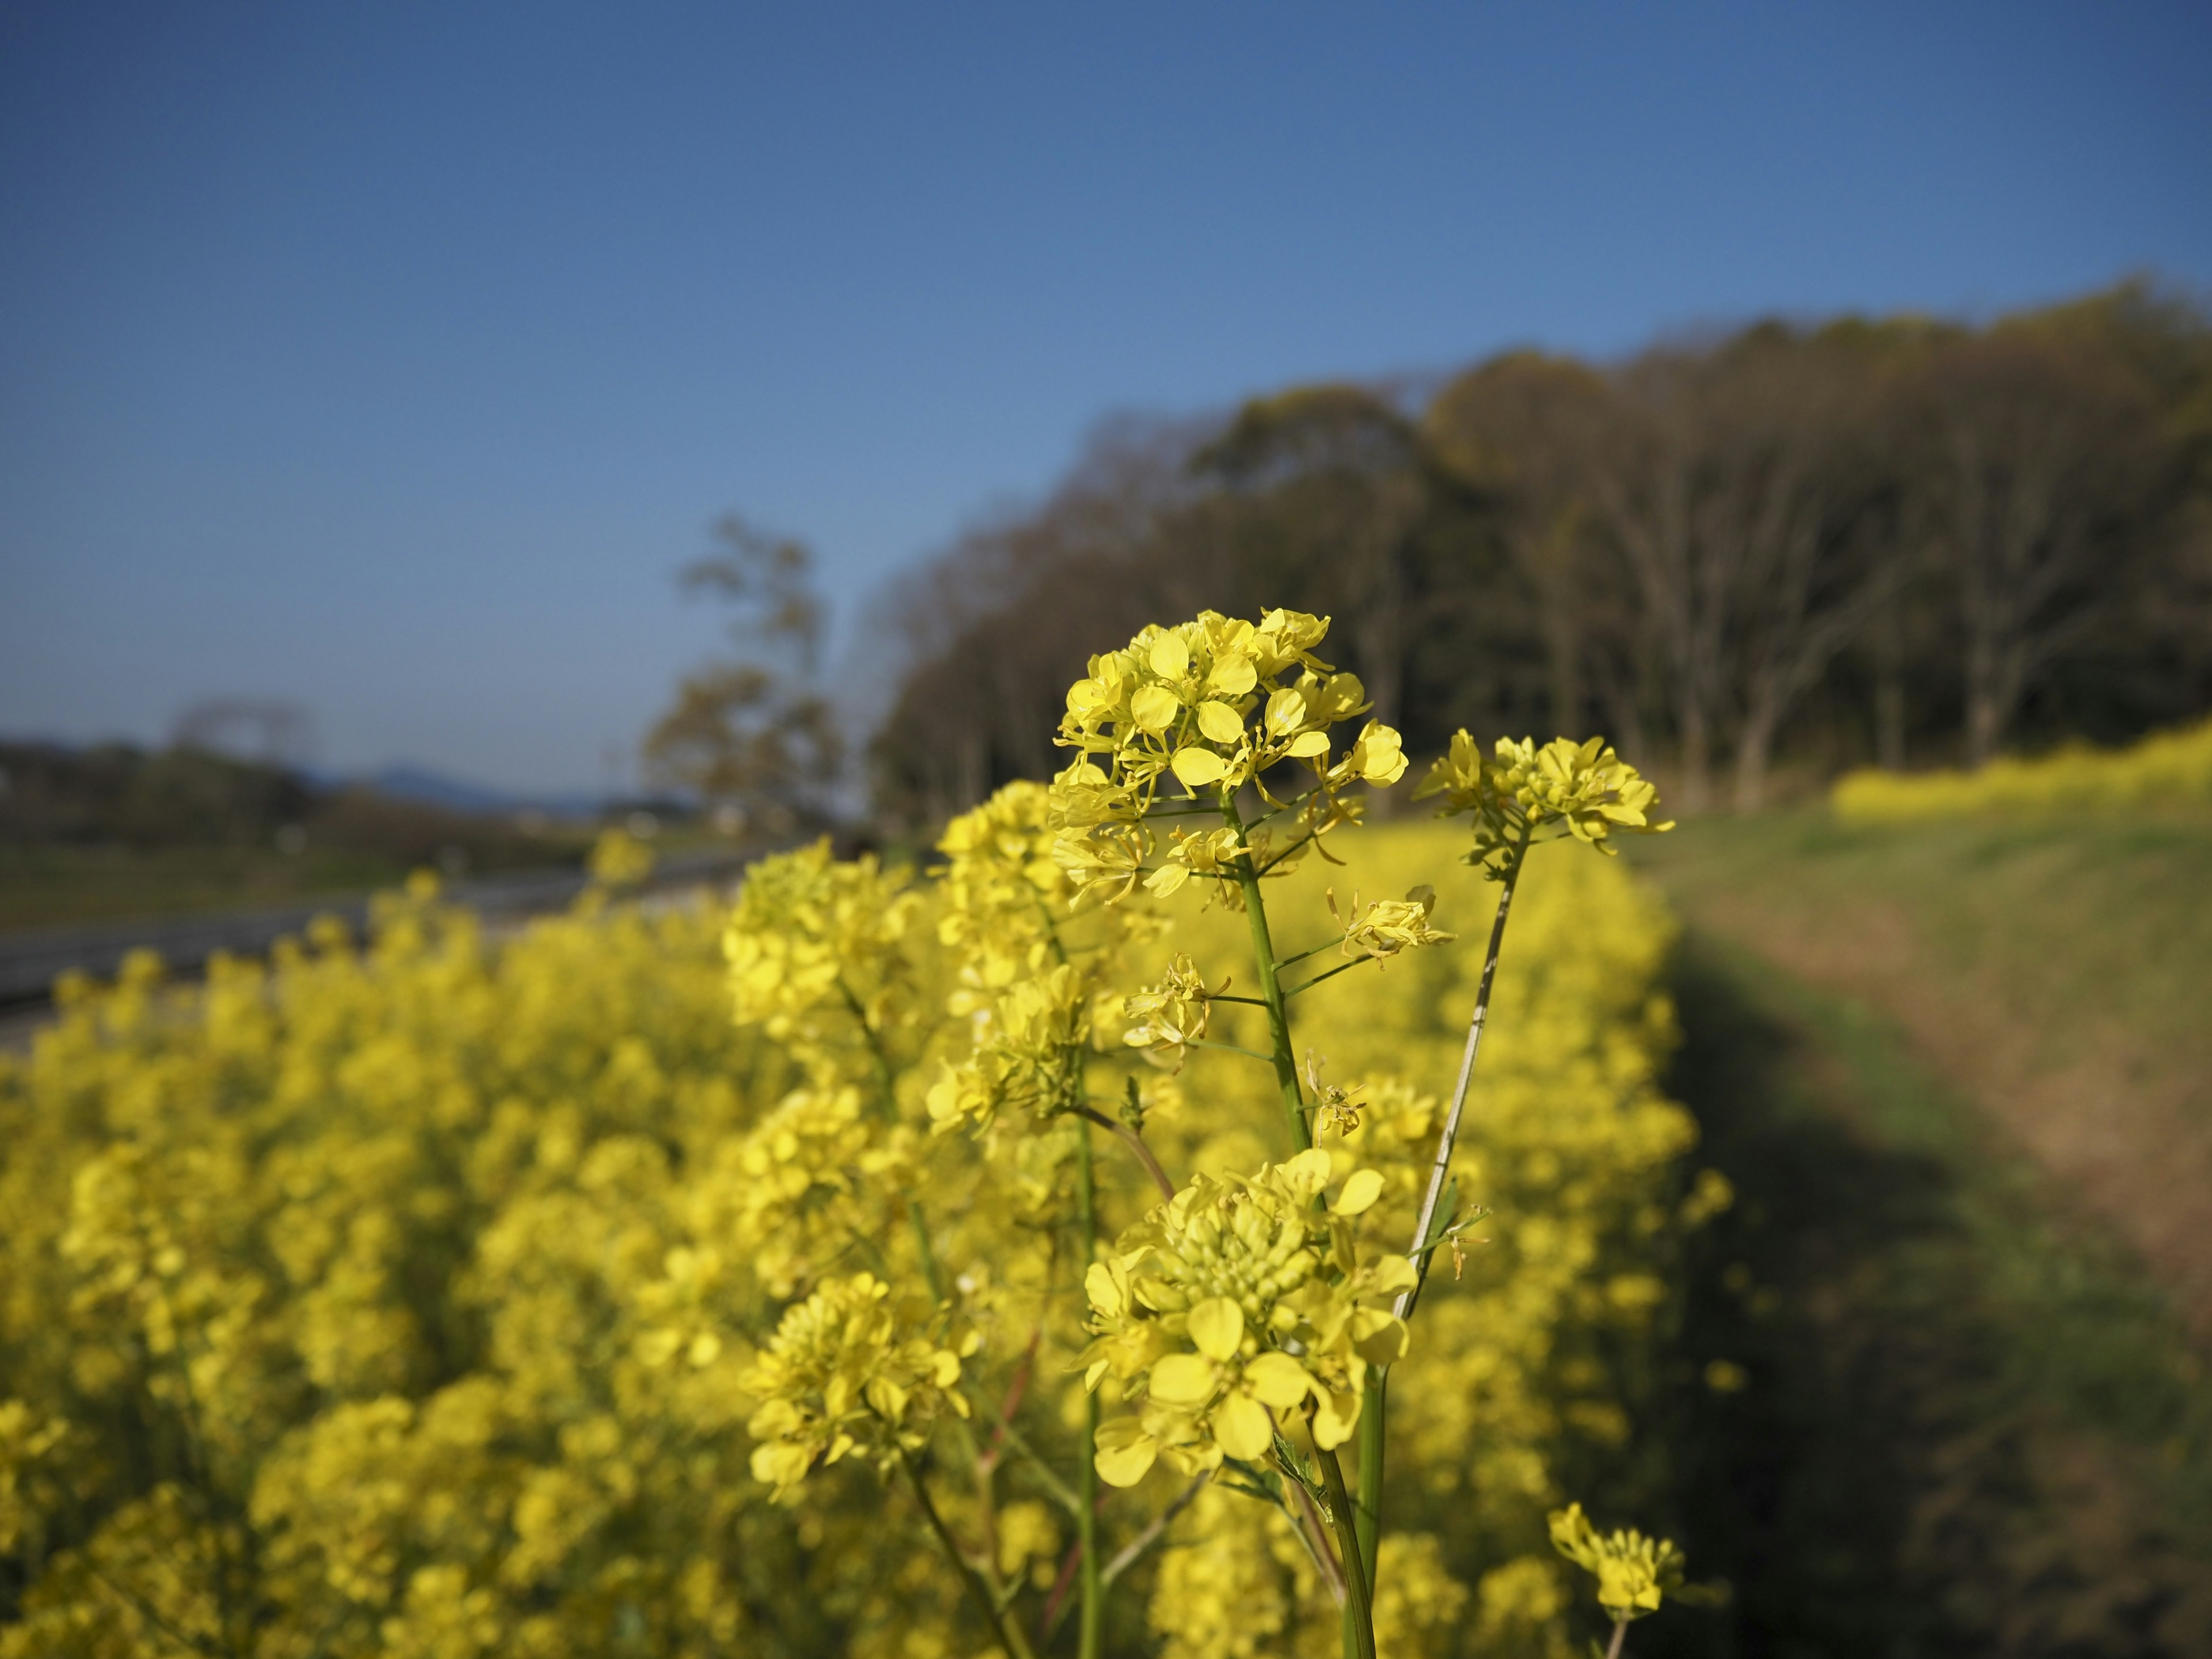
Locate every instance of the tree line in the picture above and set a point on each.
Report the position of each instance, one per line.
(1777, 551)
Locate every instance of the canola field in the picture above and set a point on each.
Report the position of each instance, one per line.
(424, 1296)
(2165, 770)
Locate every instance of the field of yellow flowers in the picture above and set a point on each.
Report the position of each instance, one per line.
(424, 1296)
(2167, 769)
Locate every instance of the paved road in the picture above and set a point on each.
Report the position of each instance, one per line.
(30, 961)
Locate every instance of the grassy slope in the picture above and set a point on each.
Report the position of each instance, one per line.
(1975, 1422)
(2059, 976)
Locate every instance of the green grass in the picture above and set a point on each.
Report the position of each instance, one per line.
(2071, 922)
(62, 886)
(1961, 1077)
(1974, 1423)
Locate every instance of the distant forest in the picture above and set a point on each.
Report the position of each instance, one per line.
(1751, 561)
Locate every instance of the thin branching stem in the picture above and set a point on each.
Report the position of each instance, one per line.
(1440, 1167)
(1135, 1142)
(1232, 1049)
(1133, 1550)
(887, 1084)
(1313, 1533)
(1342, 968)
(1063, 1494)
(1090, 1620)
(1008, 1632)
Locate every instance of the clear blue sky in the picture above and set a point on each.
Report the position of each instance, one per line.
(390, 358)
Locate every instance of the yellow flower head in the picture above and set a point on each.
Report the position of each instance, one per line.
(1633, 1573)
(810, 933)
(1026, 1056)
(1211, 702)
(1583, 789)
(1234, 1304)
(620, 860)
(847, 1372)
(1209, 705)
(999, 882)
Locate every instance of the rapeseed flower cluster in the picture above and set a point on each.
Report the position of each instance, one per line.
(847, 1372)
(1521, 791)
(1633, 1573)
(1235, 1303)
(433, 1294)
(1210, 705)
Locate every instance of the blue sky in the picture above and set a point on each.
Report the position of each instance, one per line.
(390, 358)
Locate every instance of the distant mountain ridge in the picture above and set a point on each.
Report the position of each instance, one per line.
(399, 781)
(402, 782)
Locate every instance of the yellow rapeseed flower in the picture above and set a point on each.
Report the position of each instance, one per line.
(1633, 1573)
(847, 1372)
(1234, 1304)
(1521, 791)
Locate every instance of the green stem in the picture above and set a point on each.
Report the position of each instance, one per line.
(1358, 1610)
(1342, 968)
(1093, 1589)
(1048, 1477)
(1271, 987)
(1368, 1514)
(1231, 1049)
(1619, 1635)
(1440, 1166)
(1008, 1632)
(1135, 1142)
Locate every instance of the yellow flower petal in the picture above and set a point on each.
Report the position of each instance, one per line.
(1286, 712)
(1170, 657)
(1377, 1337)
(1219, 722)
(1125, 1464)
(1217, 1325)
(1242, 1428)
(1199, 766)
(1361, 1188)
(1154, 708)
(1309, 744)
(1276, 1379)
(1232, 676)
(1307, 1173)
(1336, 1420)
(1182, 1379)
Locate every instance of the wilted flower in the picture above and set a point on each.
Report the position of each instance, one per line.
(1166, 1018)
(1382, 929)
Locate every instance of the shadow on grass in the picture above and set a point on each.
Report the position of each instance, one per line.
(1961, 1428)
